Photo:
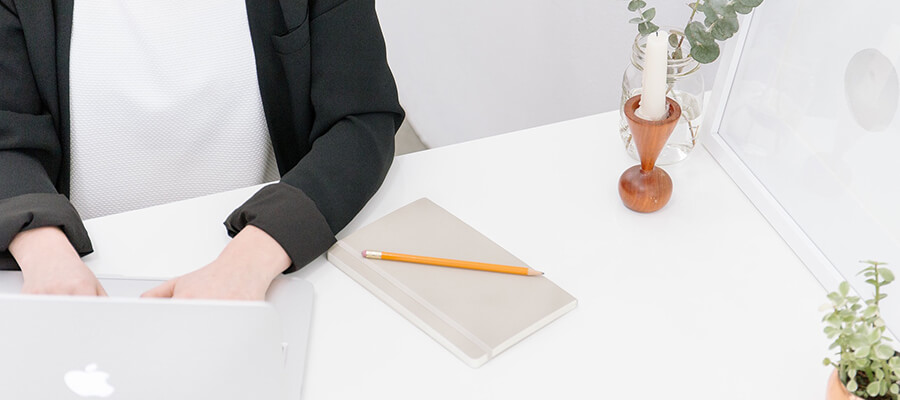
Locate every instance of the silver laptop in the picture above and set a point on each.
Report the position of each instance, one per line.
(123, 347)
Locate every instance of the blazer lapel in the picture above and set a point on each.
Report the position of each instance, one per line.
(64, 10)
(40, 29)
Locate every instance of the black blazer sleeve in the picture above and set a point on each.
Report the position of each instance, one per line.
(30, 152)
(357, 113)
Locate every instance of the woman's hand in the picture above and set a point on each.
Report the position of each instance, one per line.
(50, 265)
(243, 271)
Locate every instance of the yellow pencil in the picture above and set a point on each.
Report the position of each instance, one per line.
(446, 262)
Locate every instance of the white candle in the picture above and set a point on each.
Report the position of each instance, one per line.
(653, 98)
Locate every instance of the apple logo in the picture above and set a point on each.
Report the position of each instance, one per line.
(89, 383)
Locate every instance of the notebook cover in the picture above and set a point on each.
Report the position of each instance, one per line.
(474, 314)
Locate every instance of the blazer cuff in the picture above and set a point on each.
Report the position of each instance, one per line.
(37, 210)
(290, 217)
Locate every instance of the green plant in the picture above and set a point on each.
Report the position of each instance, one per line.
(867, 365)
(720, 23)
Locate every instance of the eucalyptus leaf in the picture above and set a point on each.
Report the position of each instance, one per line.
(826, 361)
(635, 5)
(852, 386)
(717, 5)
(742, 9)
(673, 39)
(705, 54)
(647, 28)
(720, 8)
(887, 275)
(895, 389)
(696, 34)
(725, 28)
(750, 3)
(705, 8)
(649, 14)
(711, 18)
(635, 20)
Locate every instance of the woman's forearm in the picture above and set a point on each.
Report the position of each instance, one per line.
(41, 246)
(254, 248)
(50, 265)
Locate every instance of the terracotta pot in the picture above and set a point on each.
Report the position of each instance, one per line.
(837, 390)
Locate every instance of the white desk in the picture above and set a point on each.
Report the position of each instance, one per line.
(701, 300)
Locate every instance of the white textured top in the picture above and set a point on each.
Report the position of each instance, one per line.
(165, 103)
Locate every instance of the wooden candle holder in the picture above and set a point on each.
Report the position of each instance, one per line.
(646, 188)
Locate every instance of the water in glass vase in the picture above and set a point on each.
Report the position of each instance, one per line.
(686, 86)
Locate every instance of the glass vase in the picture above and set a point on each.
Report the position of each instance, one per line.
(686, 86)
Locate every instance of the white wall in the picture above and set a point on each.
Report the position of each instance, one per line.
(468, 69)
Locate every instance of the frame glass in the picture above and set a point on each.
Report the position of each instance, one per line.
(804, 118)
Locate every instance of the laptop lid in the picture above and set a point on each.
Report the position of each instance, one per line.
(57, 347)
(289, 298)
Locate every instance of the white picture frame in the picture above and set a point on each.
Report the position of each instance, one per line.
(834, 233)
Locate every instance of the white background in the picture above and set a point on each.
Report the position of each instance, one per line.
(468, 69)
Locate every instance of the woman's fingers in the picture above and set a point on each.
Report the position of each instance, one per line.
(164, 290)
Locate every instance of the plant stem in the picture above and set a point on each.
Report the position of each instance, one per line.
(877, 286)
(691, 19)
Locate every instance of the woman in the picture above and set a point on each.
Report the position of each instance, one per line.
(127, 104)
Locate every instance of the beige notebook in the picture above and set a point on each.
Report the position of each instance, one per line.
(474, 314)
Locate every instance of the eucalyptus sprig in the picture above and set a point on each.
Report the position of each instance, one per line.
(644, 18)
(867, 365)
(720, 23)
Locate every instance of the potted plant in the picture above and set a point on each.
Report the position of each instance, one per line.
(866, 367)
(689, 47)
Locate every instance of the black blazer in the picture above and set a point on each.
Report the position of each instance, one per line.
(330, 103)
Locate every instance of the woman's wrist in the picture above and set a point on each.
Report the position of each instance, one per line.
(40, 247)
(254, 249)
